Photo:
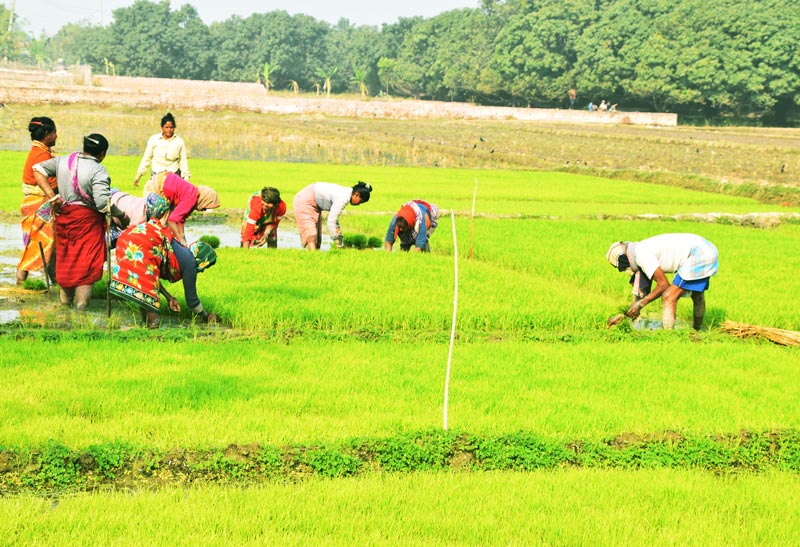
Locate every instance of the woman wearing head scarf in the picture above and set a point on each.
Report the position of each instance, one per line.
(264, 212)
(413, 224)
(37, 220)
(183, 198)
(145, 256)
(82, 199)
(324, 196)
(165, 152)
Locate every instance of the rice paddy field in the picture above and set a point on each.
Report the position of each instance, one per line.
(314, 413)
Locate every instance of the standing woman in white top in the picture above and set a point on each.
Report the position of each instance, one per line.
(324, 196)
(165, 152)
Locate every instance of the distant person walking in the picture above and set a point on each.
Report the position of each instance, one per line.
(165, 151)
(572, 95)
(692, 258)
(264, 212)
(38, 224)
(324, 196)
(413, 224)
(83, 198)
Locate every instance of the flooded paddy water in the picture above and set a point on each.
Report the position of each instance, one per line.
(39, 308)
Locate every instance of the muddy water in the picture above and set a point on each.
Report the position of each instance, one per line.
(38, 308)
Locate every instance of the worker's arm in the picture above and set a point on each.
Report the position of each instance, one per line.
(662, 284)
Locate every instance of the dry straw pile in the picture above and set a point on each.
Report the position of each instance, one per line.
(779, 336)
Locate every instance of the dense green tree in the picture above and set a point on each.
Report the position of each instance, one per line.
(453, 52)
(13, 41)
(149, 39)
(292, 43)
(537, 49)
(356, 51)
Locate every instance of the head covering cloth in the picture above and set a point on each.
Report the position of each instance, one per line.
(156, 206)
(616, 250)
(206, 197)
(204, 255)
(408, 214)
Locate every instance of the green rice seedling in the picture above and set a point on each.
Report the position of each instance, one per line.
(211, 240)
(356, 241)
(306, 388)
(34, 285)
(598, 507)
(521, 193)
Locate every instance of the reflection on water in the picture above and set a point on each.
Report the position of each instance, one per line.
(8, 316)
(646, 323)
(10, 237)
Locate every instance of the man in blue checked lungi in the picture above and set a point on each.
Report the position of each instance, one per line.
(693, 260)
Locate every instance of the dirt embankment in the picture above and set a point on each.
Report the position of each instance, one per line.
(63, 87)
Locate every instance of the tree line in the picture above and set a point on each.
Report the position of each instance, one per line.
(708, 58)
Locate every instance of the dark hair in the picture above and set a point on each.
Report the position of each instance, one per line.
(271, 195)
(40, 127)
(363, 189)
(95, 144)
(168, 117)
(401, 223)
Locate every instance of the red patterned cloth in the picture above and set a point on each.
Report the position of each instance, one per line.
(143, 254)
(80, 246)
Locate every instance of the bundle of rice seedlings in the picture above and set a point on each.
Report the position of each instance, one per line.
(779, 336)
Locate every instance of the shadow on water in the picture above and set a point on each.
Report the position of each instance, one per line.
(37, 308)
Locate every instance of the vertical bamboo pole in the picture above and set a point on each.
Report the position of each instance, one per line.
(453, 326)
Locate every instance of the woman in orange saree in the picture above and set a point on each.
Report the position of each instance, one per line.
(37, 218)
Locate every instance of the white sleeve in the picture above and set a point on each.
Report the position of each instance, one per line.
(337, 207)
(147, 159)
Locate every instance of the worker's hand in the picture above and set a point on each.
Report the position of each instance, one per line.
(56, 205)
(173, 304)
(259, 241)
(614, 320)
(136, 182)
(212, 319)
(635, 309)
(339, 240)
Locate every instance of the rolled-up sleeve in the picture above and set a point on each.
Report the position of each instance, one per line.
(48, 168)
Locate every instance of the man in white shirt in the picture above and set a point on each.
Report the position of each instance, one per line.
(693, 260)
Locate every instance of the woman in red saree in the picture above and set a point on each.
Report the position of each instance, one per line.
(143, 257)
(82, 199)
(37, 220)
(147, 254)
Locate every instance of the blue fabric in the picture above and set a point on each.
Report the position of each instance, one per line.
(695, 285)
(188, 273)
(390, 232)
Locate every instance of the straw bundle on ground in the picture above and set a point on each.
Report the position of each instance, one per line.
(779, 336)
